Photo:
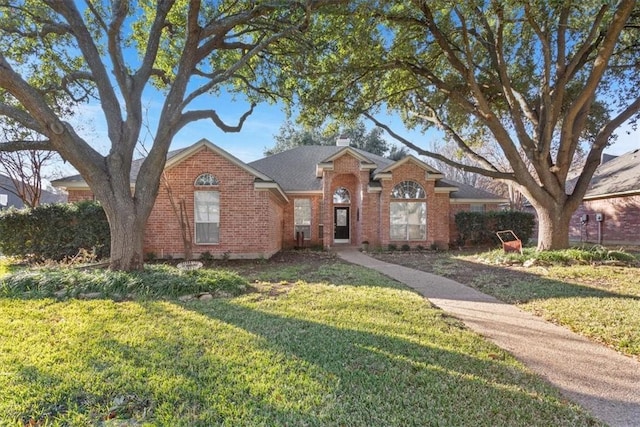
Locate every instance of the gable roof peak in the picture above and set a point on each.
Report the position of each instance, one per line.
(432, 172)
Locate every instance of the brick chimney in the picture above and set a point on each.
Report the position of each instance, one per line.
(343, 141)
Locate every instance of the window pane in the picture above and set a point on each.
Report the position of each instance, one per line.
(408, 190)
(206, 179)
(398, 232)
(207, 206)
(341, 195)
(397, 213)
(408, 221)
(302, 217)
(306, 229)
(207, 233)
(207, 216)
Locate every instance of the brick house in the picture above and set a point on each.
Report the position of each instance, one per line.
(313, 196)
(610, 211)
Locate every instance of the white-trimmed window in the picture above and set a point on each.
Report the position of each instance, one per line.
(408, 212)
(302, 217)
(477, 207)
(207, 217)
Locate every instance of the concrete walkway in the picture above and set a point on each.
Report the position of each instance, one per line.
(603, 381)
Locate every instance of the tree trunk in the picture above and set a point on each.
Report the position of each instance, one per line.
(553, 227)
(127, 237)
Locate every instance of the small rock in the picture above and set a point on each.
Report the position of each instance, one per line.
(90, 295)
(60, 294)
(205, 297)
(185, 298)
(530, 263)
(223, 294)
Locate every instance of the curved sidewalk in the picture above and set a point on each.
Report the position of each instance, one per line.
(603, 381)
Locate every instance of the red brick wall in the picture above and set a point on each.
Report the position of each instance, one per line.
(346, 173)
(251, 222)
(288, 230)
(621, 224)
(79, 195)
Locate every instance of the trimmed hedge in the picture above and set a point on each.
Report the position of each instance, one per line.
(55, 231)
(478, 228)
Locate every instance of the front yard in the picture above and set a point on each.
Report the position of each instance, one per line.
(309, 341)
(600, 300)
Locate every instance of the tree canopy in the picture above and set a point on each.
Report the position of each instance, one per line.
(536, 79)
(57, 55)
(291, 136)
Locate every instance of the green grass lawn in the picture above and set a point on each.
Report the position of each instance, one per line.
(348, 348)
(598, 300)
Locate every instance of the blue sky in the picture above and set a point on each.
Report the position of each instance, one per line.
(259, 129)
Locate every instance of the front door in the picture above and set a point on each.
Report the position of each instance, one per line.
(341, 224)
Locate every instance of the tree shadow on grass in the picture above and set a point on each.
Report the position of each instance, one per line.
(381, 379)
(226, 362)
(509, 285)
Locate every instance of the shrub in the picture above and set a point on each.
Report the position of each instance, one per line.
(392, 247)
(480, 227)
(155, 281)
(405, 248)
(55, 231)
(577, 255)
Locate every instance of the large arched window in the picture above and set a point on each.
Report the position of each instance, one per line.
(206, 205)
(206, 179)
(341, 196)
(408, 212)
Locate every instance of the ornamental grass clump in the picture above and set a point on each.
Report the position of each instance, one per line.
(155, 281)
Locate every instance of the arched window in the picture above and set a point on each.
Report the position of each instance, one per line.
(206, 179)
(408, 219)
(408, 190)
(341, 195)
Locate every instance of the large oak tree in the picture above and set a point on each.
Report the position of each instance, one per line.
(58, 54)
(538, 79)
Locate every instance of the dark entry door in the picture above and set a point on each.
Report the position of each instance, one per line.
(341, 223)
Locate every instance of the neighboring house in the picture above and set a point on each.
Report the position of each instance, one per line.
(311, 196)
(8, 197)
(613, 198)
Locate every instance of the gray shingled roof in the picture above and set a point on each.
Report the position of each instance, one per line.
(135, 168)
(619, 175)
(466, 191)
(295, 169)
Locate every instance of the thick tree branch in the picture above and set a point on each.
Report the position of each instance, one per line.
(151, 52)
(23, 145)
(490, 173)
(91, 54)
(19, 115)
(191, 116)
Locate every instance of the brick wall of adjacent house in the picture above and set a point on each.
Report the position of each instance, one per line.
(79, 195)
(620, 225)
